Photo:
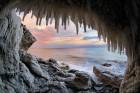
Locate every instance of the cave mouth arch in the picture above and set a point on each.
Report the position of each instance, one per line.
(118, 25)
(78, 51)
(99, 15)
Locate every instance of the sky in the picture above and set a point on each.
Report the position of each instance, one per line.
(47, 36)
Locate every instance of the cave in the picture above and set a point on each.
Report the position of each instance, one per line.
(116, 21)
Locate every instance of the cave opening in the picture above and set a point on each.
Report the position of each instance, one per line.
(118, 26)
(81, 51)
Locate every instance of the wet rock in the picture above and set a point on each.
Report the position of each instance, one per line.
(86, 92)
(64, 66)
(41, 60)
(106, 65)
(108, 78)
(57, 87)
(82, 81)
(72, 71)
(101, 88)
(51, 60)
(109, 81)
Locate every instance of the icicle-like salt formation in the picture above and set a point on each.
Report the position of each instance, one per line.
(95, 14)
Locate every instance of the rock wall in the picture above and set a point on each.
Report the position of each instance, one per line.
(10, 36)
(131, 82)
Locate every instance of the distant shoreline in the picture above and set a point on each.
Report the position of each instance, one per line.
(70, 47)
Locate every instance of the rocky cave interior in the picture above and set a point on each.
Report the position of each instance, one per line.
(116, 21)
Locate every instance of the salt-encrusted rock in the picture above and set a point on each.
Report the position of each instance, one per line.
(10, 36)
(32, 63)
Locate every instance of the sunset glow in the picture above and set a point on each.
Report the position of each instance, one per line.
(47, 36)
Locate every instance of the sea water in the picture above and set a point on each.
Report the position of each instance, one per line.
(84, 59)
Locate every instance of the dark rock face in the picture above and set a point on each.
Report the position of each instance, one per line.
(110, 82)
(131, 82)
(108, 78)
(27, 40)
(82, 81)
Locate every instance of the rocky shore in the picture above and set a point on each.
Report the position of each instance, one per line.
(25, 73)
(50, 77)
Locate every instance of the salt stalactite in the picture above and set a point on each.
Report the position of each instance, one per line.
(47, 18)
(57, 17)
(51, 19)
(77, 25)
(81, 12)
(85, 26)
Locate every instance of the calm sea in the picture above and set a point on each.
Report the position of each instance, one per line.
(83, 58)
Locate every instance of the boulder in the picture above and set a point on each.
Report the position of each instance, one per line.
(32, 63)
(57, 87)
(108, 78)
(27, 39)
(101, 88)
(64, 66)
(82, 81)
